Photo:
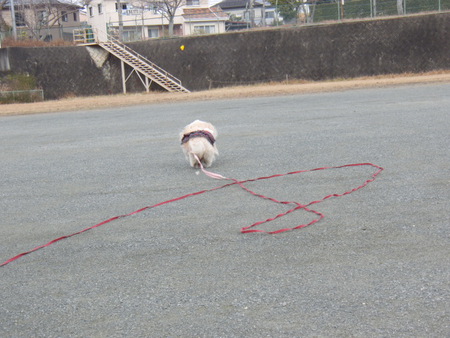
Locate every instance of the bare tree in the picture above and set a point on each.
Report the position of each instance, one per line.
(168, 9)
(3, 24)
(312, 11)
(142, 6)
(296, 9)
(37, 17)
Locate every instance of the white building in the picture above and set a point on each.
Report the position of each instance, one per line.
(40, 19)
(253, 12)
(143, 19)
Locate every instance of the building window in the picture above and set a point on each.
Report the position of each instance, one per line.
(43, 17)
(100, 9)
(270, 15)
(75, 17)
(131, 34)
(155, 9)
(124, 6)
(64, 16)
(153, 33)
(20, 20)
(91, 12)
(207, 29)
(192, 2)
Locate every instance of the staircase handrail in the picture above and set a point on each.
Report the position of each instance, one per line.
(143, 58)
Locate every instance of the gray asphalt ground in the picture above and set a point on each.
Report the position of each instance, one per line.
(378, 265)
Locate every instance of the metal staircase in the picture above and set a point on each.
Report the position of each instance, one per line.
(139, 64)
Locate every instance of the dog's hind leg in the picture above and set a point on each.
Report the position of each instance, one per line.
(208, 160)
(193, 161)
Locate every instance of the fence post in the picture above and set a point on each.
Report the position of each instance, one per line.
(124, 84)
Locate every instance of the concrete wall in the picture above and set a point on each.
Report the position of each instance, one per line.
(407, 44)
(61, 71)
(4, 59)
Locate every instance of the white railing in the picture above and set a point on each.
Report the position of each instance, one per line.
(144, 59)
(110, 43)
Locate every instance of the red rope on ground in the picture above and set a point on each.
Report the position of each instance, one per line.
(247, 229)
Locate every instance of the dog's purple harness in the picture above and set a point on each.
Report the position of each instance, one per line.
(198, 133)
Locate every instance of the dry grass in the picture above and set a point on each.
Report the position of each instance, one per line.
(269, 89)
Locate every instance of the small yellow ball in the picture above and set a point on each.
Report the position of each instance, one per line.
(182, 47)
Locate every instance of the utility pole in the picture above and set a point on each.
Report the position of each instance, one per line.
(263, 14)
(252, 13)
(119, 12)
(276, 11)
(400, 7)
(13, 19)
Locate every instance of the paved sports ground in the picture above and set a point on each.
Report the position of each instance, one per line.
(377, 265)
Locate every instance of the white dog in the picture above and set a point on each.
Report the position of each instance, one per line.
(199, 138)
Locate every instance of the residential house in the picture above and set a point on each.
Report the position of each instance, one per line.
(144, 20)
(204, 20)
(249, 13)
(42, 19)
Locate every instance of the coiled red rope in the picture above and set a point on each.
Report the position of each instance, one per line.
(247, 229)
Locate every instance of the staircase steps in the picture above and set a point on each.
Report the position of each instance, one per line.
(143, 66)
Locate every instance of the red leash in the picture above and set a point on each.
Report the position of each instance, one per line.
(247, 229)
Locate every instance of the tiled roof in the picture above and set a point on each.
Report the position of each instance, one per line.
(227, 4)
(204, 13)
(41, 2)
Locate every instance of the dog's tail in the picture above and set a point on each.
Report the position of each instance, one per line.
(197, 147)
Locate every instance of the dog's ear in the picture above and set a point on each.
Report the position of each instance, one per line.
(181, 136)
